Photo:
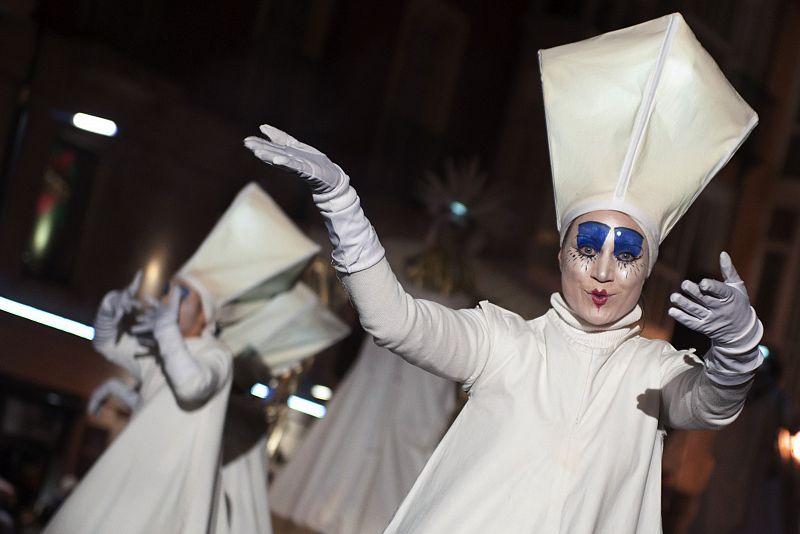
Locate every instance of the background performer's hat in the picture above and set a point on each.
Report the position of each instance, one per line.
(253, 252)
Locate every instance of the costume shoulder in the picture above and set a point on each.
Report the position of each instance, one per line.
(673, 361)
(500, 319)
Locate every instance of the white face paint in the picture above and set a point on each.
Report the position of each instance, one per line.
(191, 319)
(603, 263)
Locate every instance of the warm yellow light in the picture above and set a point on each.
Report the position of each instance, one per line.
(321, 392)
(151, 279)
(789, 445)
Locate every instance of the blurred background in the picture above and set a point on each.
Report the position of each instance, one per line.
(391, 91)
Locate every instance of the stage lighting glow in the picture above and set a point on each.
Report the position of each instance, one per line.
(152, 283)
(321, 392)
(46, 318)
(764, 350)
(93, 124)
(789, 445)
(458, 209)
(259, 390)
(306, 406)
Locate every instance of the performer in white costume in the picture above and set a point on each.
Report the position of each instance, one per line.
(355, 466)
(168, 471)
(160, 473)
(564, 427)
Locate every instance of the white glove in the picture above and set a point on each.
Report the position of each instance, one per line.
(119, 389)
(115, 305)
(722, 312)
(355, 243)
(162, 320)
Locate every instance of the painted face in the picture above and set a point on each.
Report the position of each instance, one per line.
(603, 265)
(191, 319)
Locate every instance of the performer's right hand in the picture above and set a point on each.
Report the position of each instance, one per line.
(355, 244)
(115, 305)
(283, 150)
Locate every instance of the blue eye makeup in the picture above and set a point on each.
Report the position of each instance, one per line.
(592, 234)
(627, 244)
(184, 290)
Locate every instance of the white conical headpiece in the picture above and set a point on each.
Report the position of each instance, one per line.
(639, 120)
(284, 329)
(254, 251)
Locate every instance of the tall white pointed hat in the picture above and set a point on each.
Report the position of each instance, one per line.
(285, 329)
(254, 251)
(639, 120)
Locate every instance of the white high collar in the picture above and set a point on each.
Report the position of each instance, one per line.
(597, 337)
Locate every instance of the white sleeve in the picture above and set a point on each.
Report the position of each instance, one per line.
(196, 377)
(454, 344)
(690, 399)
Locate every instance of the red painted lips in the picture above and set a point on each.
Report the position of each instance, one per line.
(599, 297)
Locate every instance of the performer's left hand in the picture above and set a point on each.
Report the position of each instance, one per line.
(720, 310)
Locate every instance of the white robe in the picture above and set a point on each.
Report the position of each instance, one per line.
(355, 466)
(564, 427)
(161, 473)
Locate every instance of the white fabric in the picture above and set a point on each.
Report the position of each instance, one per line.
(564, 428)
(639, 120)
(252, 244)
(355, 466)
(355, 244)
(160, 474)
(116, 388)
(285, 329)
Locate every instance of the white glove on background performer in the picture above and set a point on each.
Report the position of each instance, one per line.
(162, 320)
(722, 312)
(355, 243)
(113, 387)
(114, 306)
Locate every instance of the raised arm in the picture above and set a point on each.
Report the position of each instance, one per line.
(453, 344)
(194, 376)
(110, 336)
(710, 394)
